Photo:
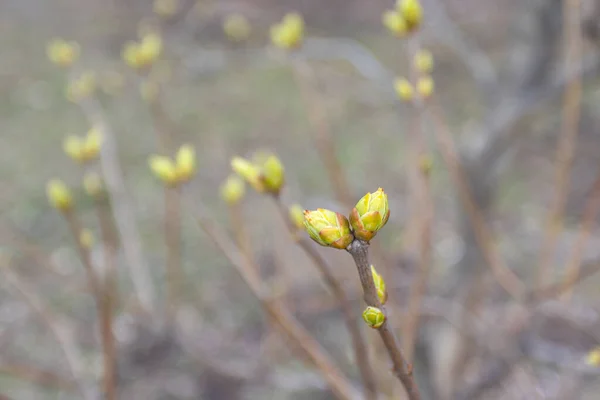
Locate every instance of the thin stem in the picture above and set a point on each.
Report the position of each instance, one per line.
(103, 306)
(340, 385)
(401, 368)
(173, 243)
(109, 294)
(360, 348)
(72, 355)
(568, 138)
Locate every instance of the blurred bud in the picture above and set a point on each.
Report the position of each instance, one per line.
(404, 89)
(82, 87)
(379, 285)
(411, 11)
(328, 228)
(150, 48)
(593, 358)
(248, 171)
(73, 147)
(272, 174)
(425, 86)
(370, 215)
(233, 189)
(62, 53)
(86, 238)
(289, 33)
(394, 23)
(93, 184)
(165, 8)
(296, 214)
(425, 164)
(374, 317)
(164, 169)
(236, 27)
(185, 163)
(92, 144)
(59, 195)
(423, 61)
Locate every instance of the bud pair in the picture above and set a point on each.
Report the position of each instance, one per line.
(139, 55)
(265, 174)
(84, 149)
(178, 171)
(332, 229)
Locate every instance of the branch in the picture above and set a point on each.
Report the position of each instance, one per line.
(403, 371)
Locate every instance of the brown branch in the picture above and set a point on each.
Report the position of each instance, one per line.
(358, 343)
(401, 368)
(172, 230)
(340, 385)
(567, 140)
(124, 215)
(72, 354)
(110, 294)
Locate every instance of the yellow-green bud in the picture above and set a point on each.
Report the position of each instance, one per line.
(185, 163)
(73, 147)
(379, 285)
(411, 11)
(59, 195)
(374, 317)
(404, 89)
(92, 144)
(92, 184)
(62, 53)
(395, 23)
(86, 238)
(164, 169)
(423, 61)
(328, 228)
(296, 214)
(370, 215)
(272, 174)
(82, 87)
(593, 357)
(425, 86)
(233, 189)
(236, 27)
(248, 171)
(288, 34)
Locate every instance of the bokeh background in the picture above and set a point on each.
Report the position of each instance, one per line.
(501, 81)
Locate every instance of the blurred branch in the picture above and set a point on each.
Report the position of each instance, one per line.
(313, 350)
(69, 349)
(568, 138)
(124, 214)
(358, 343)
(37, 376)
(476, 60)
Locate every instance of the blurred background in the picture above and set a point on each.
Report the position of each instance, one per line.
(492, 177)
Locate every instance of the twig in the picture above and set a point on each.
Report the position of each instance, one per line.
(589, 216)
(568, 137)
(103, 305)
(505, 277)
(121, 205)
(313, 350)
(402, 369)
(172, 228)
(72, 354)
(360, 349)
(110, 294)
